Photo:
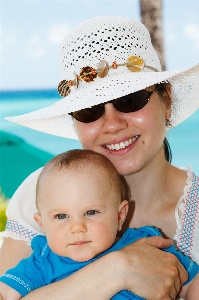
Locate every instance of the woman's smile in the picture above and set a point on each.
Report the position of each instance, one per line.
(122, 145)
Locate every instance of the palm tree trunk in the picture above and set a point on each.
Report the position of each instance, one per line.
(151, 14)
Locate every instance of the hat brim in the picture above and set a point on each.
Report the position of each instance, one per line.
(55, 119)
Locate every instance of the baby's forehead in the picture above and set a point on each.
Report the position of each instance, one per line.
(78, 168)
(96, 181)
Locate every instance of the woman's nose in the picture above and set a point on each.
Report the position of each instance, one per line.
(78, 226)
(113, 120)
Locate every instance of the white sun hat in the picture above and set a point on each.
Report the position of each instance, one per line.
(124, 44)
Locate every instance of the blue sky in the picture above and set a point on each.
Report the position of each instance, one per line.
(31, 32)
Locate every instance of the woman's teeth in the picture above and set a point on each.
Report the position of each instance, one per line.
(122, 145)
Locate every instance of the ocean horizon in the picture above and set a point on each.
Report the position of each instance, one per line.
(183, 139)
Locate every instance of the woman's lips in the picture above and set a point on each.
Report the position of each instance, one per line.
(122, 145)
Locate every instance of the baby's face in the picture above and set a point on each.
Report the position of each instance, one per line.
(79, 213)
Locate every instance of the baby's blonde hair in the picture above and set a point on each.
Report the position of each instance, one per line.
(78, 160)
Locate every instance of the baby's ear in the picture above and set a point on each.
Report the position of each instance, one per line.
(122, 213)
(38, 220)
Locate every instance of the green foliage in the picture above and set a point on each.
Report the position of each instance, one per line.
(3, 205)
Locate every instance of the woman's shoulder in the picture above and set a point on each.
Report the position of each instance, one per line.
(32, 178)
(191, 188)
(27, 185)
(187, 217)
(190, 196)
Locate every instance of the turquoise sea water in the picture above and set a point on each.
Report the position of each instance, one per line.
(183, 139)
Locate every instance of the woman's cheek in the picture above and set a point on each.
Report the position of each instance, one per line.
(86, 133)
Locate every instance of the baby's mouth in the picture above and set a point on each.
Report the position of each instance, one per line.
(122, 145)
(79, 243)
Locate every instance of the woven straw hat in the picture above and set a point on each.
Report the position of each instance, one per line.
(113, 39)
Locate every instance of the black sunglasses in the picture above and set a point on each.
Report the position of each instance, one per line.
(126, 104)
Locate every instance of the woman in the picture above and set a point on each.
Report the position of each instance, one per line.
(103, 59)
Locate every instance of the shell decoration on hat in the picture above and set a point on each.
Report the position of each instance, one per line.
(88, 74)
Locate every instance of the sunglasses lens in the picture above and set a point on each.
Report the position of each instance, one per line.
(88, 115)
(132, 102)
(126, 104)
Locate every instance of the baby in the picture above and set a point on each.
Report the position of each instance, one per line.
(81, 207)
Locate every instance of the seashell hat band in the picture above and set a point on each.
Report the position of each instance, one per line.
(103, 59)
(88, 74)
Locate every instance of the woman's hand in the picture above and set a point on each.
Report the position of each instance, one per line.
(151, 273)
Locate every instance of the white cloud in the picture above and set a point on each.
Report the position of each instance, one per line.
(35, 48)
(6, 37)
(191, 31)
(171, 37)
(0, 39)
(57, 33)
(6, 45)
(36, 52)
(34, 40)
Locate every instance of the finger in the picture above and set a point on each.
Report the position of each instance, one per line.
(172, 289)
(182, 273)
(159, 242)
(177, 284)
(173, 296)
(174, 292)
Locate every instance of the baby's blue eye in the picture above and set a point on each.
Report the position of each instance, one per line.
(91, 213)
(61, 216)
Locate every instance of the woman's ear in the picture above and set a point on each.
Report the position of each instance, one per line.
(122, 213)
(37, 218)
(168, 101)
(167, 97)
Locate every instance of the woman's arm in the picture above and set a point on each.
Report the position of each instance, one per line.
(11, 252)
(191, 290)
(8, 293)
(140, 268)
